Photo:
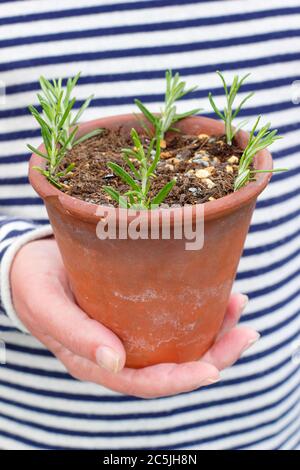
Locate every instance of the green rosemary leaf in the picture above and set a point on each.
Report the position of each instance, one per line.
(81, 110)
(236, 112)
(87, 136)
(143, 125)
(116, 196)
(71, 83)
(37, 116)
(151, 118)
(131, 166)
(54, 181)
(223, 81)
(119, 171)
(214, 106)
(274, 170)
(69, 168)
(41, 170)
(37, 152)
(187, 114)
(47, 138)
(48, 90)
(163, 193)
(129, 153)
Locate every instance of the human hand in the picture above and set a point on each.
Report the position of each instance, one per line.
(91, 352)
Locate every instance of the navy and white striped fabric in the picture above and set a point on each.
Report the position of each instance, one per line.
(122, 49)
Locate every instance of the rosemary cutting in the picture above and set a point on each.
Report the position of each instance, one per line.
(228, 114)
(58, 125)
(147, 159)
(175, 90)
(263, 139)
(143, 171)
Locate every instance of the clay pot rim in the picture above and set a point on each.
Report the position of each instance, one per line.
(212, 209)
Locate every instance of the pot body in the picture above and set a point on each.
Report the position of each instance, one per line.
(165, 302)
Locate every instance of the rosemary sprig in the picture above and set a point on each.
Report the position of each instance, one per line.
(175, 90)
(147, 159)
(140, 176)
(264, 138)
(58, 125)
(228, 114)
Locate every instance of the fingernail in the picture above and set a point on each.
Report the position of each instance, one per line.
(251, 342)
(245, 301)
(108, 359)
(213, 380)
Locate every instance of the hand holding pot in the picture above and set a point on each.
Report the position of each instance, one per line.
(90, 351)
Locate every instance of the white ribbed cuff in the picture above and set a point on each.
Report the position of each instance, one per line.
(5, 290)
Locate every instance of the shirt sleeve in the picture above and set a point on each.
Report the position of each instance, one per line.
(15, 233)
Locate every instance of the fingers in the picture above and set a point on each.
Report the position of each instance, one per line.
(236, 306)
(93, 353)
(163, 379)
(150, 382)
(230, 346)
(71, 327)
(45, 304)
(168, 379)
(62, 319)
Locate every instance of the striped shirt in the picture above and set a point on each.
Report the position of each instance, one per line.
(123, 49)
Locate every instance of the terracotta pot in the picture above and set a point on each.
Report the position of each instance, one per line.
(166, 303)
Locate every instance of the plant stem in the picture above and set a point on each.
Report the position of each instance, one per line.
(228, 114)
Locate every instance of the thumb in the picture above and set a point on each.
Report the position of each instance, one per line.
(63, 320)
